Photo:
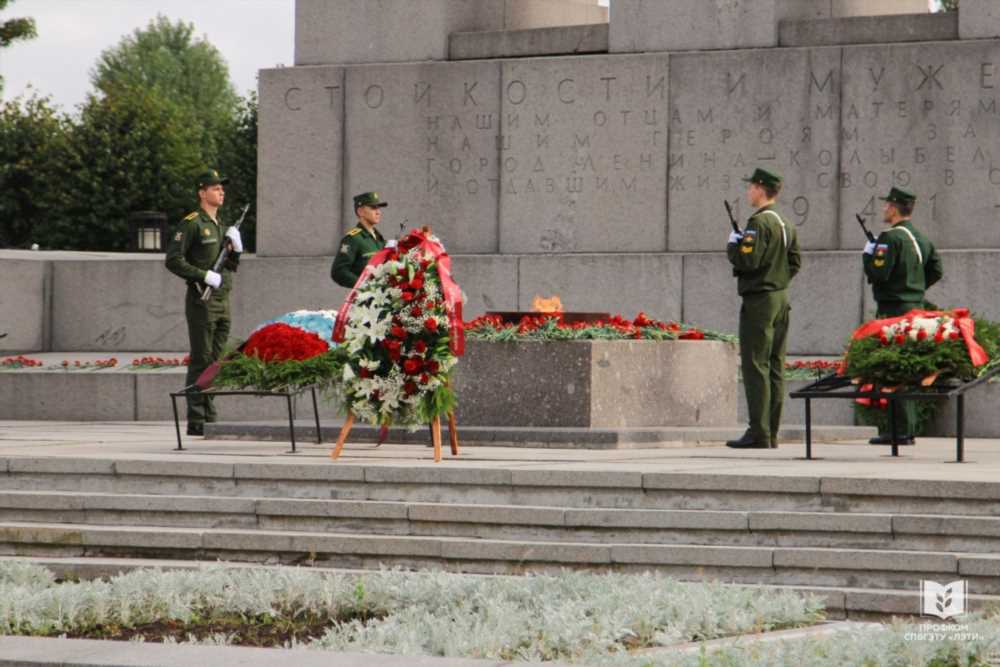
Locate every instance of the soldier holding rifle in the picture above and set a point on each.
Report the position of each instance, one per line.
(196, 244)
(765, 257)
(900, 265)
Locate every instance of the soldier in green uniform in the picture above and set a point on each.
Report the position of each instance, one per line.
(900, 265)
(765, 258)
(361, 242)
(193, 248)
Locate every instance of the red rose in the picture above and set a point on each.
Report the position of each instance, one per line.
(431, 325)
(425, 378)
(900, 339)
(939, 336)
(408, 296)
(410, 388)
(420, 347)
(882, 339)
(416, 311)
(365, 373)
(954, 335)
(922, 334)
(417, 282)
(433, 366)
(397, 332)
(412, 366)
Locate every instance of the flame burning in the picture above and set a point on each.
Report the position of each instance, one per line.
(550, 305)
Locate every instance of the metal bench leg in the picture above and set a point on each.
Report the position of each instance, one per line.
(319, 431)
(809, 440)
(291, 420)
(892, 427)
(177, 422)
(960, 429)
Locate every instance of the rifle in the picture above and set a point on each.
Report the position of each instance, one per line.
(206, 294)
(732, 219)
(868, 234)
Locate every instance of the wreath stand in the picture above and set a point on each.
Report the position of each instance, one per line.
(345, 430)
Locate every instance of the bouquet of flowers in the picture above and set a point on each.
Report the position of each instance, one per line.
(401, 330)
(552, 326)
(293, 351)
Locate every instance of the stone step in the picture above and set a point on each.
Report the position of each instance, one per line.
(899, 570)
(841, 602)
(583, 486)
(904, 532)
(533, 437)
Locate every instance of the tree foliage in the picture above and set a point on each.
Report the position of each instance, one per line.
(34, 142)
(12, 30)
(238, 161)
(165, 58)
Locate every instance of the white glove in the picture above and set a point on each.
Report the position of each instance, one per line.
(234, 237)
(391, 243)
(213, 279)
(870, 248)
(735, 237)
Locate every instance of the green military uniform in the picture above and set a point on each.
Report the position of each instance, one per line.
(900, 268)
(193, 247)
(357, 246)
(764, 261)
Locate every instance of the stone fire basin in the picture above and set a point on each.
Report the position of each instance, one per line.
(597, 384)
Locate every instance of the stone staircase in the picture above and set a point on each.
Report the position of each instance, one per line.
(863, 543)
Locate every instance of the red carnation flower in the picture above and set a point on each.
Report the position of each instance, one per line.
(412, 366)
(417, 282)
(282, 342)
(364, 373)
(416, 311)
(410, 388)
(882, 339)
(922, 334)
(397, 332)
(431, 325)
(692, 334)
(425, 378)
(420, 347)
(939, 336)
(408, 296)
(900, 339)
(433, 366)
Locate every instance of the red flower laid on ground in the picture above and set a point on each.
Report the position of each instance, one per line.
(19, 362)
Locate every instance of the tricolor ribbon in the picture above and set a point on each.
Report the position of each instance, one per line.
(451, 291)
(965, 324)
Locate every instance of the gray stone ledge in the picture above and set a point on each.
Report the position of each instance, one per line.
(376, 545)
(563, 40)
(693, 555)
(236, 540)
(51, 652)
(428, 475)
(491, 514)
(355, 509)
(62, 466)
(40, 534)
(175, 469)
(193, 504)
(869, 29)
(855, 559)
(822, 522)
(547, 552)
(40, 500)
(920, 488)
(717, 482)
(280, 471)
(577, 478)
(979, 565)
(947, 525)
(638, 518)
(146, 538)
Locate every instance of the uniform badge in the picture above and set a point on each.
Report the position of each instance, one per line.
(206, 232)
(178, 236)
(344, 249)
(879, 263)
(881, 249)
(749, 236)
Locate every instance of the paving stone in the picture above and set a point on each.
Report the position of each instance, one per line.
(714, 482)
(427, 475)
(489, 514)
(692, 555)
(851, 559)
(331, 508)
(551, 552)
(332, 473)
(175, 468)
(676, 519)
(822, 522)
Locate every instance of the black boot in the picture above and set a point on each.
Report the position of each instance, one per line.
(887, 440)
(195, 429)
(748, 442)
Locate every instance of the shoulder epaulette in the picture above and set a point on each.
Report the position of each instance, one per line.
(192, 215)
(356, 230)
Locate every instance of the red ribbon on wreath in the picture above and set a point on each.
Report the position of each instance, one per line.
(418, 238)
(966, 327)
